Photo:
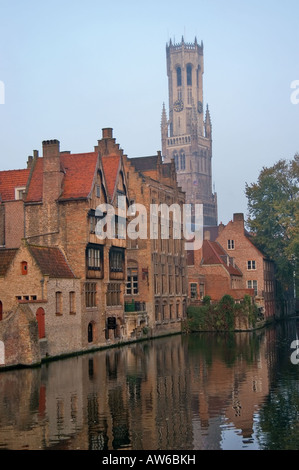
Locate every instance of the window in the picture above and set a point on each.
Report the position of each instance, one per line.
(90, 332)
(132, 281)
(19, 193)
(183, 160)
(98, 190)
(201, 290)
(177, 310)
(193, 290)
(252, 285)
(120, 227)
(93, 220)
(179, 76)
(90, 294)
(72, 300)
(58, 303)
(113, 294)
(189, 75)
(251, 264)
(176, 160)
(24, 268)
(94, 258)
(116, 259)
(157, 311)
(230, 244)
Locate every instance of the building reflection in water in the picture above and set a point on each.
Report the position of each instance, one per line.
(174, 393)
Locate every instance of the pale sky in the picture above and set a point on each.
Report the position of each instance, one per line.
(70, 68)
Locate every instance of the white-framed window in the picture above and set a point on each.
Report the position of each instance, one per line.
(252, 285)
(251, 264)
(230, 244)
(132, 281)
(19, 193)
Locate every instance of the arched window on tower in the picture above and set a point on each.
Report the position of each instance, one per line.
(189, 75)
(183, 160)
(179, 76)
(176, 159)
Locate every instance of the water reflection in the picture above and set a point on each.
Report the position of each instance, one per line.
(203, 391)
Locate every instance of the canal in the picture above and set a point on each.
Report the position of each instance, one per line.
(186, 392)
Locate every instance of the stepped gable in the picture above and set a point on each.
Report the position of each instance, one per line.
(51, 261)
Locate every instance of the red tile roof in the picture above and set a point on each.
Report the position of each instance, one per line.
(35, 190)
(111, 167)
(6, 257)
(79, 174)
(11, 179)
(213, 253)
(51, 261)
(79, 170)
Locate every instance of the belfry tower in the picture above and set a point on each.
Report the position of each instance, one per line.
(187, 134)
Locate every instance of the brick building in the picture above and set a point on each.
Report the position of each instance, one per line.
(212, 272)
(12, 186)
(73, 276)
(156, 270)
(257, 269)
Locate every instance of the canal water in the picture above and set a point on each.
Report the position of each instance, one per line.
(185, 392)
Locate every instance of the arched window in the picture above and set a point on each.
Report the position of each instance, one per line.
(183, 160)
(90, 332)
(40, 317)
(176, 159)
(189, 75)
(24, 267)
(179, 76)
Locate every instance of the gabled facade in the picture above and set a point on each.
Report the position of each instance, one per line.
(257, 269)
(39, 279)
(60, 201)
(212, 272)
(156, 269)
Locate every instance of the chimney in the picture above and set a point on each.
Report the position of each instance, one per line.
(32, 159)
(207, 235)
(220, 228)
(238, 217)
(107, 133)
(52, 176)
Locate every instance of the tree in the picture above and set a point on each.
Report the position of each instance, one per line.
(273, 205)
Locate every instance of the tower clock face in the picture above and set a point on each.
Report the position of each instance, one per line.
(178, 105)
(199, 107)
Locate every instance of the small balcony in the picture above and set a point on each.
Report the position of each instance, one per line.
(135, 306)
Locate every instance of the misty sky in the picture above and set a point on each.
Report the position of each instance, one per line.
(71, 68)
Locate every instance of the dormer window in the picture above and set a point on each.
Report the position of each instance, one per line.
(24, 268)
(19, 193)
